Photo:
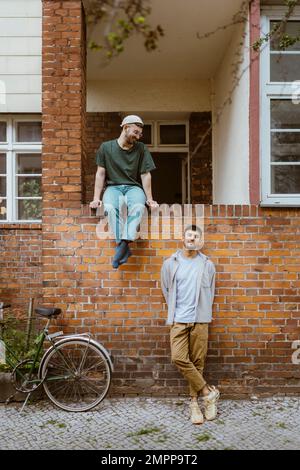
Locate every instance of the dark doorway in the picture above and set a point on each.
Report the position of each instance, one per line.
(169, 178)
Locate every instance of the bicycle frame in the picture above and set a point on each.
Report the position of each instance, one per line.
(33, 371)
(43, 335)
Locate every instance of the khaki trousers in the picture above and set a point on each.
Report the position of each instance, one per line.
(188, 349)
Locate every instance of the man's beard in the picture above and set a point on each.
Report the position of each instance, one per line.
(191, 247)
(130, 140)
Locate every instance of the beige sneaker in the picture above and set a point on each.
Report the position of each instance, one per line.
(210, 403)
(196, 414)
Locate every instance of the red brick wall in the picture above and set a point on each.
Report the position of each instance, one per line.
(257, 314)
(20, 265)
(256, 311)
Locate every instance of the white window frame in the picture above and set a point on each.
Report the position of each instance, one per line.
(11, 148)
(155, 146)
(272, 90)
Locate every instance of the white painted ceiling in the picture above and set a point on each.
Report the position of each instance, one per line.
(180, 55)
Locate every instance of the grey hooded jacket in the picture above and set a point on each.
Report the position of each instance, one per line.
(205, 287)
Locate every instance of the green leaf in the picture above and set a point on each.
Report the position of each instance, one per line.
(139, 20)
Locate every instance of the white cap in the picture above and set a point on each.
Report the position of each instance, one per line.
(132, 119)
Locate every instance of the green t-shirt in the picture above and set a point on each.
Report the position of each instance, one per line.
(124, 166)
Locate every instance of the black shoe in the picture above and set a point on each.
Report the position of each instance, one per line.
(126, 256)
(121, 251)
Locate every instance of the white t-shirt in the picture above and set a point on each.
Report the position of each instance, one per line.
(186, 282)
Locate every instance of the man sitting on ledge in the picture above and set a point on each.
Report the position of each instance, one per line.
(124, 165)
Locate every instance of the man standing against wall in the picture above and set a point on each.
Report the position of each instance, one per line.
(188, 285)
(125, 165)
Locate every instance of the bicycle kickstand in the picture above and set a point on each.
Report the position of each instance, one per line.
(25, 402)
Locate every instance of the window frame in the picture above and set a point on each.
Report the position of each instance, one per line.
(11, 148)
(155, 145)
(272, 91)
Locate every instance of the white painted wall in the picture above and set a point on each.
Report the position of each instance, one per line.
(20, 56)
(148, 95)
(231, 132)
(180, 54)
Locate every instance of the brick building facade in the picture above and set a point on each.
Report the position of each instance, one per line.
(62, 262)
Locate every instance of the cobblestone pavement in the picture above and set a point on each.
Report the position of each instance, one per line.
(151, 424)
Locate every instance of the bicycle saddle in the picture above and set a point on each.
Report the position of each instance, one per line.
(47, 311)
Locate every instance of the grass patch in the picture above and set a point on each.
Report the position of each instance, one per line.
(203, 437)
(53, 422)
(143, 432)
(161, 439)
(281, 425)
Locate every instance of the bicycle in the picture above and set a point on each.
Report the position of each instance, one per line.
(75, 371)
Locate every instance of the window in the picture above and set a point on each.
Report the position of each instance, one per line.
(172, 134)
(2, 131)
(280, 116)
(285, 65)
(28, 132)
(165, 133)
(20, 169)
(285, 147)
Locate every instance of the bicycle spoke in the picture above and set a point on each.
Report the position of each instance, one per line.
(73, 391)
(83, 394)
(83, 358)
(56, 365)
(92, 386)
(90, 375)
(94, 379)
(88, 386)
(95, 365)
(58, 388)
(64, 393)
(72, 363)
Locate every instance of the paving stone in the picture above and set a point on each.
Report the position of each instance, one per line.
(153, 424)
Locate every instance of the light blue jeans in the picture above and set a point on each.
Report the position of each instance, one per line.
(115, 199)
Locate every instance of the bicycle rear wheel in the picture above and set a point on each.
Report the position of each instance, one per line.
(76, 374)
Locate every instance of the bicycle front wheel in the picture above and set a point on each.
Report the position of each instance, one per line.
(76, 375)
